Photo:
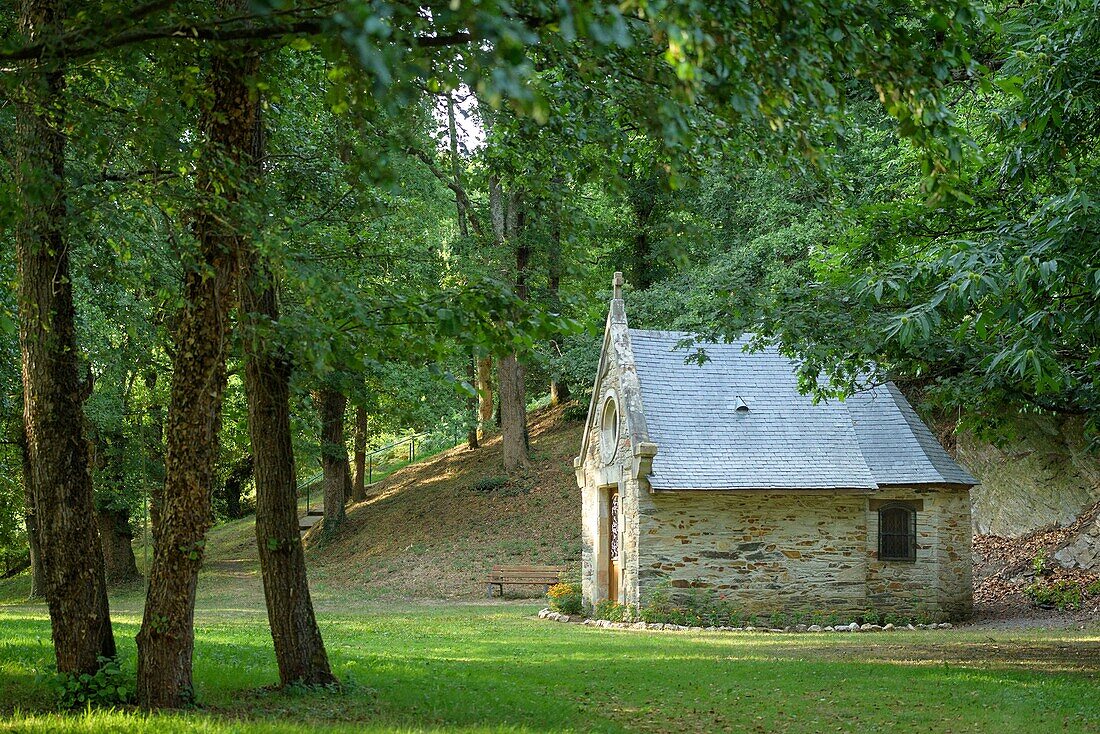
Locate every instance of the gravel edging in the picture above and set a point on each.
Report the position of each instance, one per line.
(552, 616)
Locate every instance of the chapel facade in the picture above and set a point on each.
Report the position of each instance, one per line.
(723, 476)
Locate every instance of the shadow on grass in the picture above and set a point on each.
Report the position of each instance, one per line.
(492, 670)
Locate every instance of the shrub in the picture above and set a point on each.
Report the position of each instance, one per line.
(1062, 595)
(108, 686)
(489, 484)
(565, 598)
(1093, 589)
(613, 611)
(1039, 563)
(574, 411)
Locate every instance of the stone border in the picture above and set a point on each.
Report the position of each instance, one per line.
(852, 627)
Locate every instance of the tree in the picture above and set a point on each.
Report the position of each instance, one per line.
(331, 406)
(359, 484)
(228, 124)
(299, 649)
(57, 457)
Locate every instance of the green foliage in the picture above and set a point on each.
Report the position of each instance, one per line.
(493, 483)
(108, 686)
(1039, 563)
(1063, 595)
(565, 598)
(612, 611)
(575, 411)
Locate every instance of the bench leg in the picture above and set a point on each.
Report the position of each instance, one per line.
(489, 591)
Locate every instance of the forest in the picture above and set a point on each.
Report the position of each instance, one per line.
(248, 242)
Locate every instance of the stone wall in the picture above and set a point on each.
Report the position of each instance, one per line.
(807, 551)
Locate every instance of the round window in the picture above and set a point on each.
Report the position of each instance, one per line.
(609, 430)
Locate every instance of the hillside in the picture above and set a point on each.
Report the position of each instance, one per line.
(435, 528)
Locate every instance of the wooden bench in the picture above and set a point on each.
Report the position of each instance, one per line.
(544, 576)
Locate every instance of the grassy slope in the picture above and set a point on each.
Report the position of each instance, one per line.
(427, 532)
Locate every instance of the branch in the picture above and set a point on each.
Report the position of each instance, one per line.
(183, 31)
(460, 193)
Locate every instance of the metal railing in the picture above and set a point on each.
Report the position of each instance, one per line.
(411, 441)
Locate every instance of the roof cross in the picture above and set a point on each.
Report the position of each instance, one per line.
(617, 286)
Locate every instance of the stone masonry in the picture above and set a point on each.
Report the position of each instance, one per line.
(766, 550)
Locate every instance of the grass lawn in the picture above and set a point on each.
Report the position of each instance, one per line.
(491, 667)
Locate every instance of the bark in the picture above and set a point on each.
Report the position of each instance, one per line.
(299, 649)
(239, 475)
(120, 566)
(359, 486)
(485, 408)
(456, 167)
(60, 478)
(510, 370)
(559, 389)
(471, 432)
(334, 456)
(31, 522)
(166, 640)
(513, 414)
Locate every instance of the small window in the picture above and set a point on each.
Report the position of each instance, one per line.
(609, 430)
(897, 533)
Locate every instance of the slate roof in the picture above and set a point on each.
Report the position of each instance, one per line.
(783, 440)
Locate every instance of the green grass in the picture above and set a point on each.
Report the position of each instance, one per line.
(490, 667)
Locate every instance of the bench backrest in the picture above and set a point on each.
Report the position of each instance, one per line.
(532, 574)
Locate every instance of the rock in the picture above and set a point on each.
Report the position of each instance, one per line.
(589, 623)
(564, 617)
(946, 626)
(865, 627)
(828, 629)
(638, 626)
(775, 629)
(815, 628)
(910, 627)
(872, 628)
(696, 629)
(788, 628)
(543, 613)
(801, 628)
(853, 627)
(1084, 550)
(712, 628)
(889, 627)
(750, 628)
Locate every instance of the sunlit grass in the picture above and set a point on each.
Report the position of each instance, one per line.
(482, 667)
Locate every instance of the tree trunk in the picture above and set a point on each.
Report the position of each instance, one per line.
(60, 478)
(31, 521)
(559, 389)
(456, 166)
(485, 408)
(334, 456)
(513, 414)
(359, 486)
(299, 649)
(120, 566)
(471, 405)
(166, 640)
(510, 371)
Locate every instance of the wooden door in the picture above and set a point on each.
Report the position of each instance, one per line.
(614, 537)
